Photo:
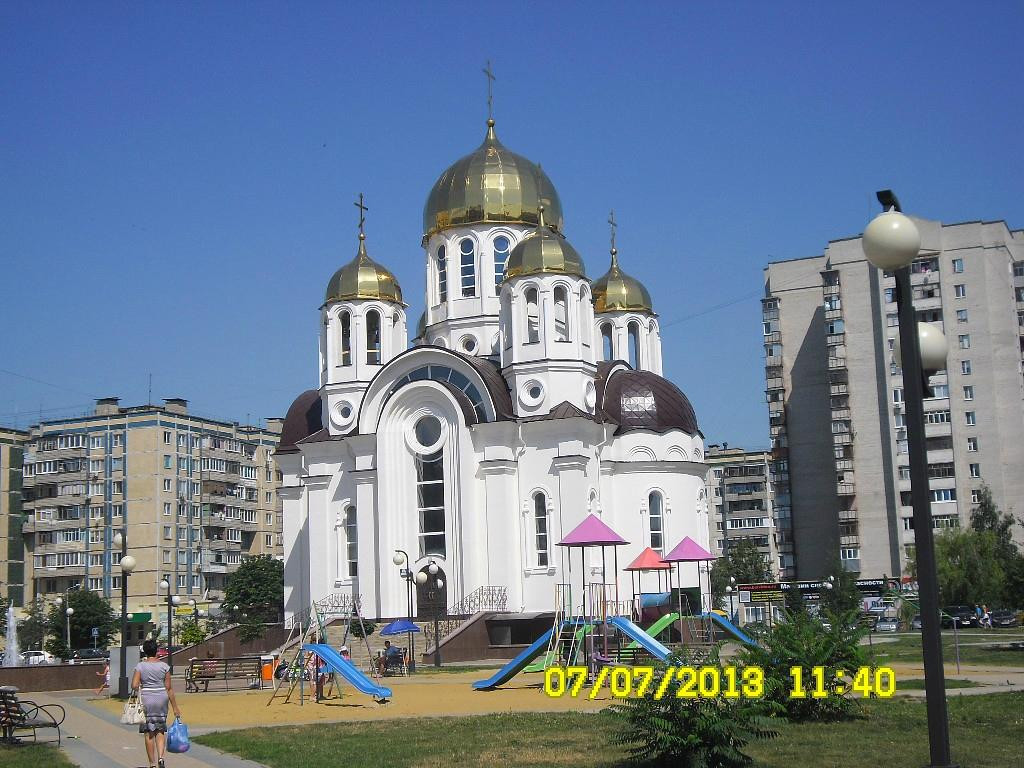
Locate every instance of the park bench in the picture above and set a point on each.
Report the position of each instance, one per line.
(248, 669)
(16, 715)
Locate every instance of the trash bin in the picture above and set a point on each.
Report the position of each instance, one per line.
(268, 664)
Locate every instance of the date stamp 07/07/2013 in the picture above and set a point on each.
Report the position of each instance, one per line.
(716, 682)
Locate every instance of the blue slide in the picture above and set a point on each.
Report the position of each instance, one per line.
(729, 627)
(514, 667)
(347, 670)
(641, 638)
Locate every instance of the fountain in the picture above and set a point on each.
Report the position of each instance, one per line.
(11, 655)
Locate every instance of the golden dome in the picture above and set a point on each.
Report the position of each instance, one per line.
(491, 184)
(543, 251)
(616, 291)
(363, 278)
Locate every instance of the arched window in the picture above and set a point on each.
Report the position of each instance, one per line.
(561, 313)
(532, 316)
(540, 529)
(606, 340)
(468, 267)
(506, 319)
(501, 251)
(586, 327)
(655, 520)
(442, 274)
(373, 337)
(351, 542)
(346, 338)
(633, 332)
(430, 501)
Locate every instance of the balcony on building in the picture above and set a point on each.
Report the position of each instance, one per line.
(845, 489)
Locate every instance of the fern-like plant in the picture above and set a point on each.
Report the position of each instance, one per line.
(690, 732)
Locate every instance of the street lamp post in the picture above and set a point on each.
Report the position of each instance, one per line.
(69, 612)
(400, 558)
(439, 585)
(127, 564)
(172, 600)
(891, 242)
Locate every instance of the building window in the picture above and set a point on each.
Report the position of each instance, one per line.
(972, 444)
(442, 274)
(897, 395)
(561, 313)
(964, 340)
(606, 340)
(849, 553)
(633, 337)
(942, 494)
(1018, 269)
(892, 320)
(532, 316)
(832, 327)
(969, 392)
(961, 315)
(971, 418)
(965, 367)
(975, 470)
(960, 291)
(351, 542)
(346, 338)
(167, 484)
(975, 496)
(468, 266)
(373, 337)
(540, 529)
(167, 532)
(430, 501)
(890, 295)
(654, 515)
(268, 539)
(958, 265)
(501, 251)
(167, 438)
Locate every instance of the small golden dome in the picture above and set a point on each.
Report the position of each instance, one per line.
(491, 184)
(543, 251)
(363, 278)
(616, 291)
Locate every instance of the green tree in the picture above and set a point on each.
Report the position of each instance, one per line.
(32, 630)
(843, 597)
(191, 631)
(986, 517)
(256, 590)
(968, 567)
(91, 610)
(742, 561)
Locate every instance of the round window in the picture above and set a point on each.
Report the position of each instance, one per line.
(428, 431)
(342, 414)
(531, 394)
(469, 344)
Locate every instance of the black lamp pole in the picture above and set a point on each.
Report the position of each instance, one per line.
(122, 679)
(407, 575)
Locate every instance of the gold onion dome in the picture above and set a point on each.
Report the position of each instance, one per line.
(363, 278)
(543, 251)
(615, 291)
(491, 184)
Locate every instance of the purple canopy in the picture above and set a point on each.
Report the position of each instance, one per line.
(688, 550)
(592, 532)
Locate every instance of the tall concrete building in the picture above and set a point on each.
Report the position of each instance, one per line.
(12, 557)
(193, 495)
(740, 489)
(835, 392)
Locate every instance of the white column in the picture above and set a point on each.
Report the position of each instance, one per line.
(371, 561)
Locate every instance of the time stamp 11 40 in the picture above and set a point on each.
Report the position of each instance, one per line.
(717, 682)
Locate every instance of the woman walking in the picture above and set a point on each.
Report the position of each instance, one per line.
(153, 679)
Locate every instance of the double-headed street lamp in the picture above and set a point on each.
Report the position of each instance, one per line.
(891, 242)
(127, 563)
(401, 558)
(730, 590)
(68, 612)
(172, 600)
(435, 592)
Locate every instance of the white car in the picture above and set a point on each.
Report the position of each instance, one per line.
(38, 657)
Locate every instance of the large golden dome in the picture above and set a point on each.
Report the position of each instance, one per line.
(543, 251)
(491, 184)
(363, 278)
(615, 291)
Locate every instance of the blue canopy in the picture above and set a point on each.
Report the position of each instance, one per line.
(399, 627)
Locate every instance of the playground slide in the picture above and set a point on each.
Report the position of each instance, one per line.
(347, 670)
(658, 627)
(644, 640)
(550, 656)
(515, 666)
(729, 627)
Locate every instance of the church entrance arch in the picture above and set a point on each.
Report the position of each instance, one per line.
(431, 599)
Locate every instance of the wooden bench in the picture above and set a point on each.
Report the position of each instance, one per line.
(249, 669)
(18, 715)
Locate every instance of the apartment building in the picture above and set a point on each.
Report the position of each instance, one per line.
(835, 392)
(12, 558)
(740, 487)
(192, 495)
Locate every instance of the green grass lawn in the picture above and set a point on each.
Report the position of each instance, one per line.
(890, 732)
(32, 756)
(974, 649)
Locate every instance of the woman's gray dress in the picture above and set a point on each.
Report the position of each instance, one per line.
(154, 695)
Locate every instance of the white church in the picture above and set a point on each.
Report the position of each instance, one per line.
(530, 397)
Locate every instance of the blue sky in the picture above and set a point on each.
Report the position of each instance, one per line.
(178, 177)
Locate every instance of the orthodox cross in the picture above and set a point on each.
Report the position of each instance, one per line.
(611, 222)
(490, 79)
(362, 213)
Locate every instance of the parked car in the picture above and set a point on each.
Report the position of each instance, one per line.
(83, 655)
(1003, 618)
(915, 623)
(33, 658)
(888, 624)
(960, 615)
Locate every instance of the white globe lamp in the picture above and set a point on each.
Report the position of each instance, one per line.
(891, 241)
(421, 578)
(127, 564)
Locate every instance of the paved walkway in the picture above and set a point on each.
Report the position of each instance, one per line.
(94, 738)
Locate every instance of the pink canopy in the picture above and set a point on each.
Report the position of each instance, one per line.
(592, 532)
(688, 550)
(648, 560)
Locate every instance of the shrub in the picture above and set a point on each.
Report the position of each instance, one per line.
(361, 628)
(690, 733)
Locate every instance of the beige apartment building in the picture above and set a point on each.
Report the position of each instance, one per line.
(12, 557)
(192, 495)
(740, 487)
(835, 392)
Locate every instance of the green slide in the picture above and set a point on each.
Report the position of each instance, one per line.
(657, 627)
(551, 656)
